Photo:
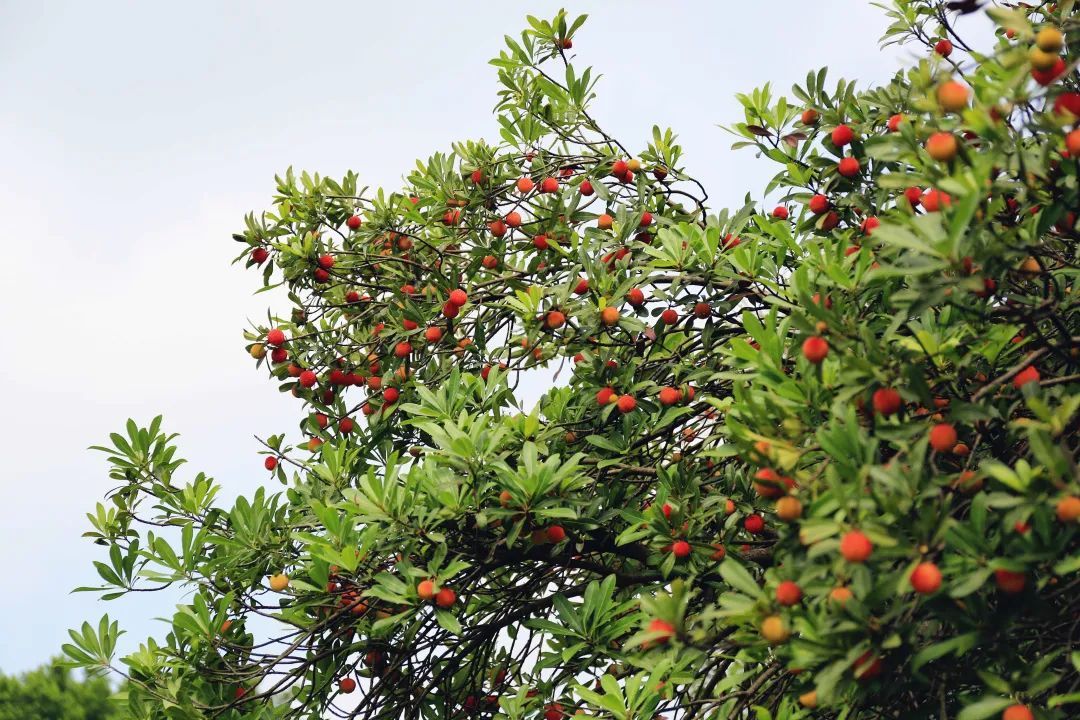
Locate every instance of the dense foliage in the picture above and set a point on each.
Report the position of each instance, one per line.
(817, 460)
(53, 693)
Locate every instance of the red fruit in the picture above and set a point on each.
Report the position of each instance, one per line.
(1028, 374)
(353, 222)
(934, 199)
(669, 396)
(926, 578)
(497, 227)
(788, 593)
(943, 48)
(321, 275)
(586, 188)
(887, 401)
(390, 395)
(754, 523)
(321, 420)
(308, 378)
(1017, 712)
(259, 255)
(780, 212)
(458, 297)
(346, 685)
(768, 483)
(943, 437)
(409, 324)
(680, 549)
(842, 135)
(815, 349)
(1010, 582)
(513, 219)
(867, 666)
(855, 547)
(894, 122)
(619, 167)
(819, 204)
(433, 334)
(346, 425)
(326, 261)
(477, 176)
(451, 217)
(445, 598)
(278, 355)
(635, 297)
(450, 310)
(1045, 77)
(626, 403)
(540, 242)
(663, 629)
(669, 316)
(646, 220)
(524, 185)
(913, 195)
(1072, 144)
(830, 221)
(702, 310)
(604, 396)
(848, 167)
(555, 320)
(870, 224)
(490, 262)
(555, 533)
(270, 463)
(402, 349)
(275, 337)
(730, 241)
(1067, 103)
(549, 185)
(810, 116)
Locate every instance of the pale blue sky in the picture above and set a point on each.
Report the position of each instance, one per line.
(135, 135)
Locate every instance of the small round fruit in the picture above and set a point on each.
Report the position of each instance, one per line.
(669, 396)
(926, 578)
(279, 582)
(952, 96)
(554, 320)
(887, 401)
(815, 349)
(1068, 509)
(626, 403)
(842, 135)
(810, 116)
(425, 590)
(855, 547)
(942, 146)
(524, 185)
(774, 630)
(754, 523)
(848, 167)
(841, 595)
(445, 598)
(1017, 712)
(1028, 374)
(635, 297)
(789, 509)
(788, 593)
(943, 48)
(943, 437)
(669, 316)
(808, 699)
(555, 533)
(270, 463)
(663, 629)
(275, 337)
(680, 549)
(1050, 40)
(346, 686)
(609, 316)
(1010, 582)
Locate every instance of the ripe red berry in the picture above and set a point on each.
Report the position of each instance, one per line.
(669, 396)
(856, 547)
(894, 122)
(870, 224)
(842, 135)
(887, 401)
(549, 185)
(680, 549)
(445, 598)
(346, 425)
(555, 533)
(458, 297)
(669, 316)
(259, 255)
(943, 48)
(635, 297)
(810, 116)
(604, 396)
(815, 349)
(497, 228)
(346, 685)
(402, 349)
(513, 219)
(540, 242)
(353, 222)
(663, 629)
(586, 188)
(943, 437)
(524, 185)
(788, 593)
(391, 395)
(433, 334)
(1028, 374)
(926, 578)
(626, 403)
(848, 167)
(1009, 581)
(819, 204)
(326, 261)
(270, 463)
(619, 167)
(754, 523)
(275, 337)
(780, 212)
(1017, 712)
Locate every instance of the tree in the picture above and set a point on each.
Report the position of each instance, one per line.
(818, 460)
(52, 693)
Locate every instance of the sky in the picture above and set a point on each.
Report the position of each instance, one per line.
(134, 136)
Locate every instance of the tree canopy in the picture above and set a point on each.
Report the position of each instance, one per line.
(53, 692)
(814, 459)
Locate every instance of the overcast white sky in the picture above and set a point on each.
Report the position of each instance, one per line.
(135, 135)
